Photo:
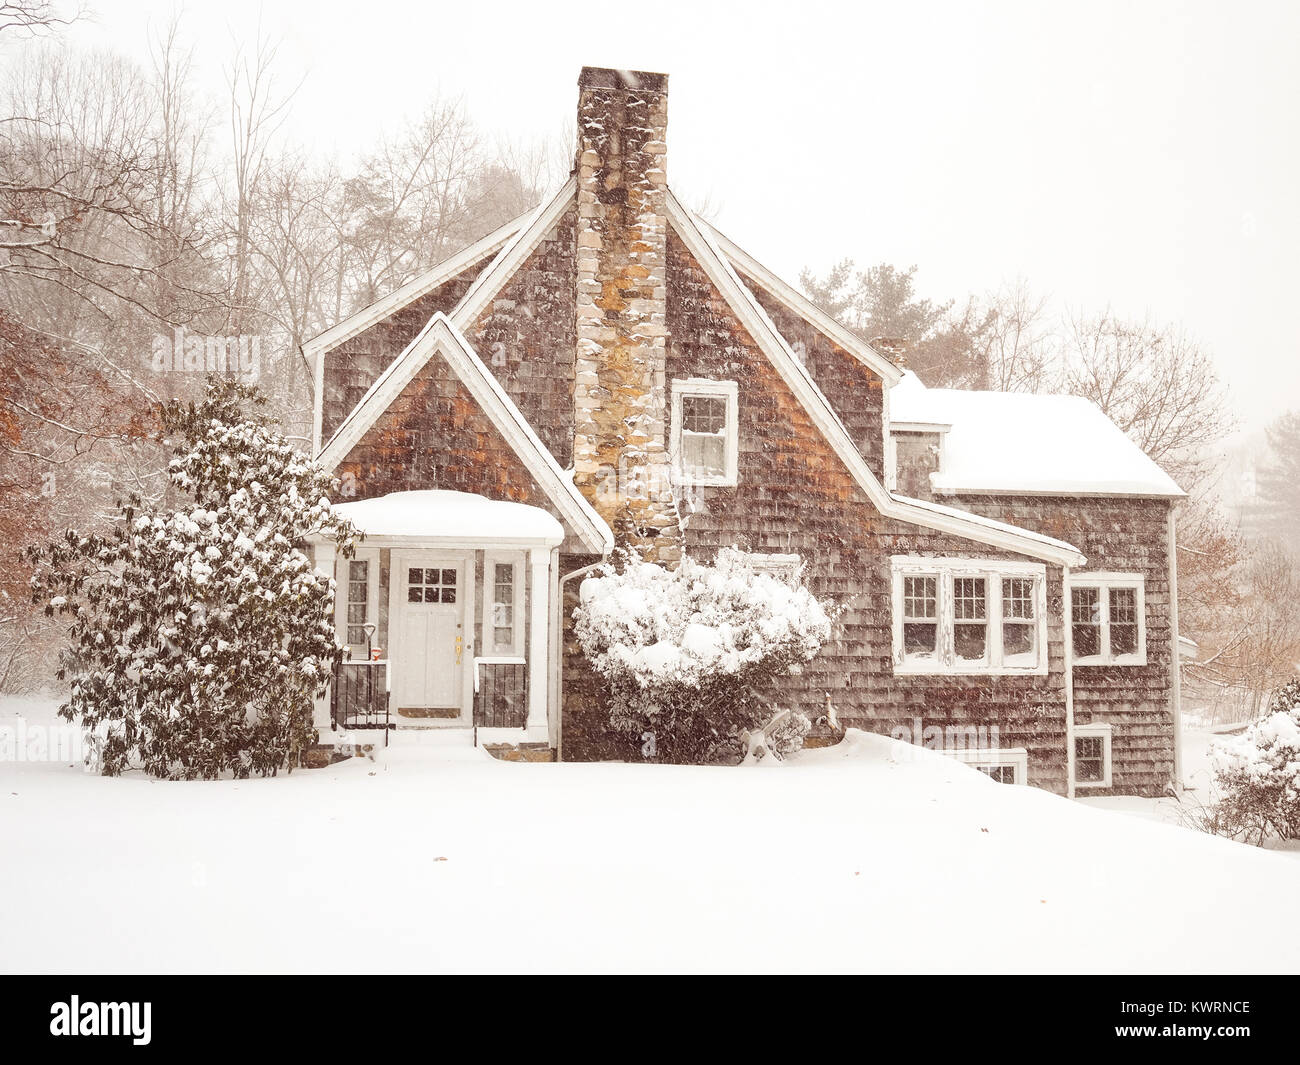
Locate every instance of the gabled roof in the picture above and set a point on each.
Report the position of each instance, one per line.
(800, 305)
(756, 321)
(509, 257)
(1022, 443)
(510, 244)
(442, 338)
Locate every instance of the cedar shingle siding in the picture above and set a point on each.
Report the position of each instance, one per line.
(794, 494)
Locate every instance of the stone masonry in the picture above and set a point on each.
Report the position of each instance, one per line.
(620, 411)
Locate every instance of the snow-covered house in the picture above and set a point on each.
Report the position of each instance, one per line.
(610, 370)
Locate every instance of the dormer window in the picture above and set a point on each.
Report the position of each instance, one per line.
(705, 431)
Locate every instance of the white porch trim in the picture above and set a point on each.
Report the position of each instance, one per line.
(539, 620)
(324, 553)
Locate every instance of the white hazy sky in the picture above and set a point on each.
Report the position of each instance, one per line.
(1139, 155)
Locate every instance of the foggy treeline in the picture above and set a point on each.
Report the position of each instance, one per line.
(143, 222)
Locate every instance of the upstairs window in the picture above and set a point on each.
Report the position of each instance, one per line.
(704, 431)
(955, 615)
(1107, 619)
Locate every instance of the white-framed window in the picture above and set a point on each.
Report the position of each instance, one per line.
(961, 615)
(1092, 756)
(503, 589)
(1108, 619)
(358, 595)
(705, 431)
(1007, 766)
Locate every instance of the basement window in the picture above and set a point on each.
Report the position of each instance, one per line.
(1092, 756)
(1008, 765)
(954, 615)
(704, 431)
(1108, 619)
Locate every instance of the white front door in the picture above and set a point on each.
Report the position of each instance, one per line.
(430, 592)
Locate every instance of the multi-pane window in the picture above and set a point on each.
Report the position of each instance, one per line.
(704, 436)
(970, 618)
(426, 585)
(1019, 618)
(1123, 621)
(358, 600)
(1106, 619)
(920, 616)
(957, 615)
(1092, 755)
(503, 605)
(1085, 617)
(1002, 773)
(1006, 765)
(704, 431)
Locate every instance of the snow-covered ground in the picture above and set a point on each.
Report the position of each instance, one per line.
(437, 857)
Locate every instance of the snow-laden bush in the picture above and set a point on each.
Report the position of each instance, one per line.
(1258, 775)
(200, 636)
(686, 654)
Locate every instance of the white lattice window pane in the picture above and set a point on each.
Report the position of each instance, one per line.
(1085, 614)
(1123, 621)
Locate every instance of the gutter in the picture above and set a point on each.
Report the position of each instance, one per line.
(1069, 683)
(1176, 680)
(557, 620)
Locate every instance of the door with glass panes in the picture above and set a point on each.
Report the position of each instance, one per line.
(430, 594)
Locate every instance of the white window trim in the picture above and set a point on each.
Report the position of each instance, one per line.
(1016, 757)
(1107, 581)
(699, 386)
(1096, 729)
(946, 661)
(785, 567)
(490, 647)
(343, 587)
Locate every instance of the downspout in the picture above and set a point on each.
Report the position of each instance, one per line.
(1066, 616)
(1176, 681)
(557, 617)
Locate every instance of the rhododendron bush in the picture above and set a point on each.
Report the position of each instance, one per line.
(688, 656)
(200, 636)
(1258, 775)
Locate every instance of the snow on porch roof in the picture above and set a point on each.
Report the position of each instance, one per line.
(1017, 442)
(442, 516)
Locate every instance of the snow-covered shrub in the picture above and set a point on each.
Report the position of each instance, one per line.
(1258, 775)
(200, 636)
(685, 654)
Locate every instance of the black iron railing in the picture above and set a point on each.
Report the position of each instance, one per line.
(359, 696)
(500, 694)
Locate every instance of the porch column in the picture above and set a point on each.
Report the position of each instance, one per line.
(323, 554)
(539, 622)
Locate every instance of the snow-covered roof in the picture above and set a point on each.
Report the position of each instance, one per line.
(436, 515)
(1018, 442)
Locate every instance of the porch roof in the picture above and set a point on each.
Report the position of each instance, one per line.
(438, 516)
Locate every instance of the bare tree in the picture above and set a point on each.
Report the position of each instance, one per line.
(1156, 384)
(1019, 345)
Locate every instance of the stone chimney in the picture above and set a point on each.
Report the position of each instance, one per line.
(619, 396)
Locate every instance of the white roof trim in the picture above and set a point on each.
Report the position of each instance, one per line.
(800, 305)
(314, 349)
(442, 337)
(921, 427)
(796, 376)
(512, 255)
